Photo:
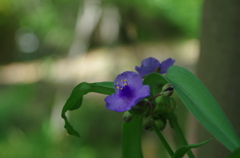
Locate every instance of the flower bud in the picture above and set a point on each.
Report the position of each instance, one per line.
(148, 123)
(140, 109)
(166, 105)
(127, 116)
(161, 123)
(167, 90)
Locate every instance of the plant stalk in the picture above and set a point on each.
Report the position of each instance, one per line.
(173, 121)
(166, 145)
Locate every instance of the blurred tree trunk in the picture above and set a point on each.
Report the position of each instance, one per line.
(219, 65)
(7, 39)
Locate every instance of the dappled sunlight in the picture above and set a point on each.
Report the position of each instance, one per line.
(19, 73)
(99, 64)
(27, 41)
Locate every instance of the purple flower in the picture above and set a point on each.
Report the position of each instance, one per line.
(129, 91)
(151, 64)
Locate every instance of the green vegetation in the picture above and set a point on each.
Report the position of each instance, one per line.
(26, 110)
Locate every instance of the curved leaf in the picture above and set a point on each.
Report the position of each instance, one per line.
(184, 149)
(203, 106)
(75, 100)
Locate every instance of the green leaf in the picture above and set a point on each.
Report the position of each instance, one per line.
(131, 139)
(203, 106)
(156, 82)
(235, 154)
(75, 100)
(184, 149)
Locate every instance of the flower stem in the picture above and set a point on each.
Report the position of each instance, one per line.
(166, 145)
(155, 97)
(176, 127)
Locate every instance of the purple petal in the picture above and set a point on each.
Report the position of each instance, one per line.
(130, 78)
(118, 103)
(148, 66)
(166, 64)
(143, 92)
(129, 90)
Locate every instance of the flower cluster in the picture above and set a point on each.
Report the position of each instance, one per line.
(129, 87)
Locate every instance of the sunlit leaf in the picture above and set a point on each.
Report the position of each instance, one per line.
(184, 149)
(75, 100)
(203, 106)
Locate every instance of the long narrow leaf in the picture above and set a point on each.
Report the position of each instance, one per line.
(203, 106)
(131, 139)
(75, 100)
(184, 149)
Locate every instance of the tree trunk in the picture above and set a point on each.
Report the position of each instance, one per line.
(7, 39)
(219, 65)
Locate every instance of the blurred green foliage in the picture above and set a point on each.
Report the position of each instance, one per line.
(53, 22)
(157, 18)
(25, 126)
(26, 129)
(25, 109)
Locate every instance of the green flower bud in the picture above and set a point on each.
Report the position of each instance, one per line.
(127, 116)
(161, 123)
(166, 105)
(167, 90)
(148, 123)
(140, 109)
